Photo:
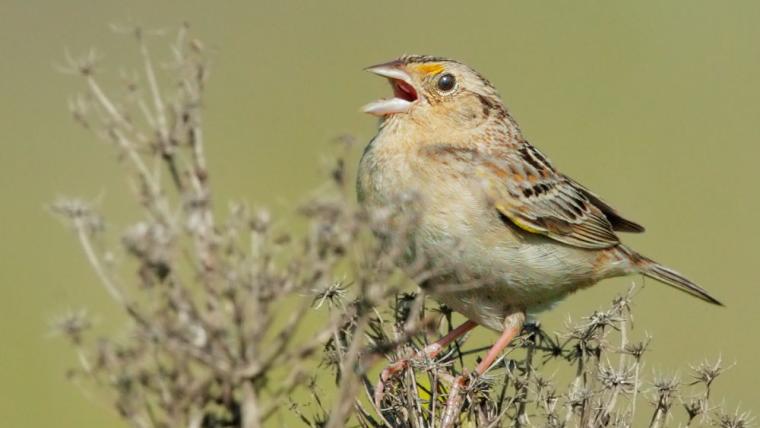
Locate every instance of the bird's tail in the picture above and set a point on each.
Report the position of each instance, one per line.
(654, 270)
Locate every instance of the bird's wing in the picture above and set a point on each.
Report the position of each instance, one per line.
(526, 189)
(619, 223)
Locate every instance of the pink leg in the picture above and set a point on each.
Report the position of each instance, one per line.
(507, 335)
(429, 351)
(513, 326)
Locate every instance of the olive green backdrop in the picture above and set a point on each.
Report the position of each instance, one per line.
(653, 104)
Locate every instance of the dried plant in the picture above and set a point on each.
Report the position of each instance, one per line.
(236, 321)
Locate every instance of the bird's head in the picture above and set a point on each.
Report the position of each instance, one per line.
(435, 90)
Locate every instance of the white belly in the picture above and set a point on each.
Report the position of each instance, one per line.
(487, 282)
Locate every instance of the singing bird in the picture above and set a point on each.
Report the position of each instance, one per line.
(491, 208)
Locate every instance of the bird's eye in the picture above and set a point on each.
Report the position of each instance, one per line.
(446, 82)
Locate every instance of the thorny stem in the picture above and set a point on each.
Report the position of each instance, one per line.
(521, 417)
(575, 387)
(128, 146)
(348, 386)
(84, 361)
(612, 400)
(106, 103)
(158, 103)
(453, 403)
(250, 407)
(637, 367)
(94, 260)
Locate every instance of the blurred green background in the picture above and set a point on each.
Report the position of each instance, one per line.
(652, 104)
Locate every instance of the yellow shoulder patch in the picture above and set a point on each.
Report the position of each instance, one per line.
(527, 227)
(430, 68)
(519, 223)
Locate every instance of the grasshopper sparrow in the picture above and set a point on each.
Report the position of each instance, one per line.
(492, 209)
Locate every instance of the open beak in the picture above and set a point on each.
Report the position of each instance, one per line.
(404, 93)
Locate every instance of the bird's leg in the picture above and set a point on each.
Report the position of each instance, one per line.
(429, 351)
(512, 326)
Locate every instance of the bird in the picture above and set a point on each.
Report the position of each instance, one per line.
(507, 233)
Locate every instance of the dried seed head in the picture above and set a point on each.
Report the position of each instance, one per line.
(707, 372)
(578, 397)
(695, 407)
(148, 241)
(614, 378)
(738, 419)
(73, 325)
(84, 65)
(637, 349)
(79, 212)
(334, 294)
(261, 221)
(666, 384)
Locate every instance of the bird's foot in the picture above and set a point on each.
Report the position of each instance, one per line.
(429, 352)
(395, 369)
(455, 400)
(388, 373)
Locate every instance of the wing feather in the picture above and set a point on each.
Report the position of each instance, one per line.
(619, 222)
(538, 199)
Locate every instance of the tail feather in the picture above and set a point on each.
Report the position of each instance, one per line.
(654, 270)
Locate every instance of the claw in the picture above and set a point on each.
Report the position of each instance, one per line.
(429, 351)
(387, 374)
(454, 401)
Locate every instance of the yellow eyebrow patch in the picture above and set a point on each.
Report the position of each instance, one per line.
(432, 68)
